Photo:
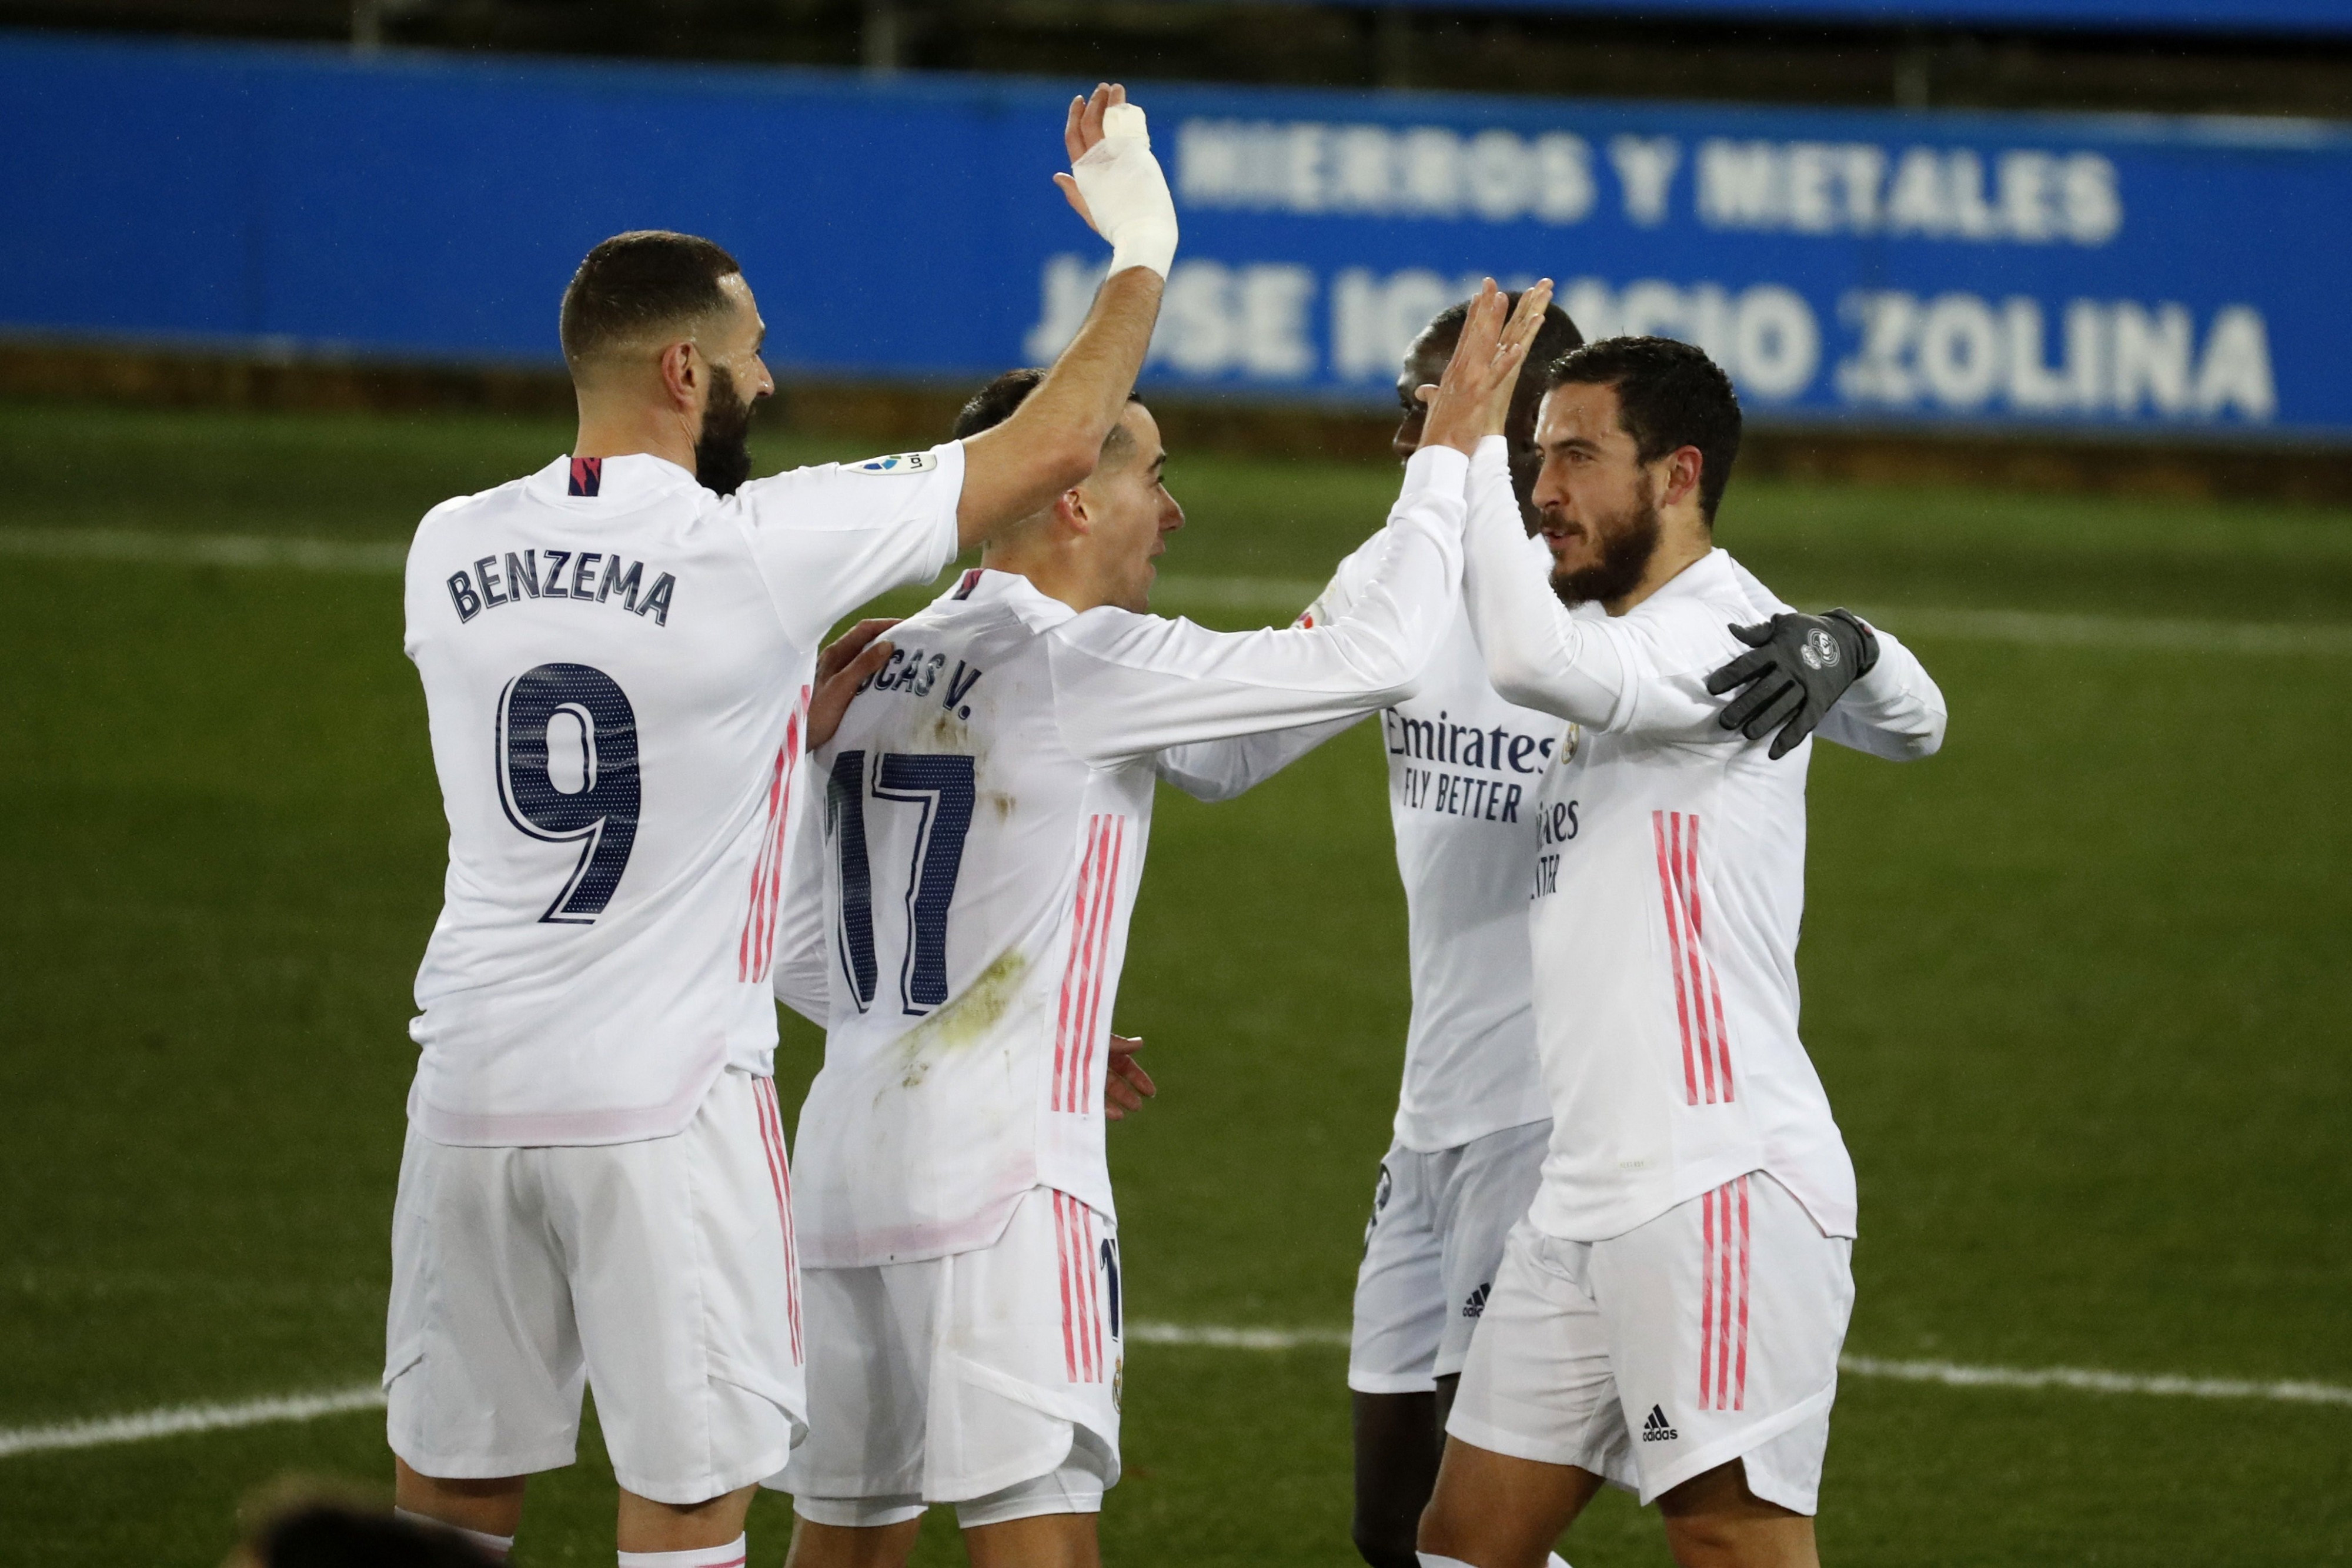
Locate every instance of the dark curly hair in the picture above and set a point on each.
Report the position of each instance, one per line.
(1669, 395)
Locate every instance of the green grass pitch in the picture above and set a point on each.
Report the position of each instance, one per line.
(2077, 987)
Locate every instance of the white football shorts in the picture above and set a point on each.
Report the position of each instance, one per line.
(988, 1379)
(1431, 1250)
(660, 1272)
(1708, 1335)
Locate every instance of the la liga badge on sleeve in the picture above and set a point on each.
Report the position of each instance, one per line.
(897, 463)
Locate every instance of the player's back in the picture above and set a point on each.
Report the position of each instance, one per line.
(979, 879)
(616, 664)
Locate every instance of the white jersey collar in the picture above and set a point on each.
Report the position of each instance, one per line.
(1711, 570)
(1038, 610)
(578, 481)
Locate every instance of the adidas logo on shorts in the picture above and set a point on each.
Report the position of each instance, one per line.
(1476, 1304)
(1655, 1428)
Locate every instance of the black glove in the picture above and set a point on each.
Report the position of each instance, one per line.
(1802, 666)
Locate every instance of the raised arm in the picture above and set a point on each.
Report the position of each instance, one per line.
(1132, 686)
(1537, 654)
(1221, 770)
(1054, 440)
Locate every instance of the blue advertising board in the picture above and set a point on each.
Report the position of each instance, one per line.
(1847, 266)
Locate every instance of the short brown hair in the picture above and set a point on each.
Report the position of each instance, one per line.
(634, 284)
(1670, 395)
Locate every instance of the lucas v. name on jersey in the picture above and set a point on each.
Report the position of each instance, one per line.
(588, 577)
(917, 672)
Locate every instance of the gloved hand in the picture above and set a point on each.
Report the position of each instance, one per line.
(1802, 666)
(1115, 182)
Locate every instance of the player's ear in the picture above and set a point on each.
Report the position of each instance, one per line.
(1684, 465)
(1070, 511)
(682, 371)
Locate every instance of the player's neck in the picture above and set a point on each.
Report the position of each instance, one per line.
(1680, 547)
(628, 430)
(1054, 573)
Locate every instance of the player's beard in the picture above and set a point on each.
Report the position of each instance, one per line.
(1626, 542)
(723, 457)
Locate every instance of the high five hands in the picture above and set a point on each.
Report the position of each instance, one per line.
(1473, 400)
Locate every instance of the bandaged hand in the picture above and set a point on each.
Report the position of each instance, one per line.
(1116, 184)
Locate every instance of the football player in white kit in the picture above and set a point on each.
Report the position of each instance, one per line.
(985, 811)
(619, 656)
(1667, 1317)
(1472, 1122)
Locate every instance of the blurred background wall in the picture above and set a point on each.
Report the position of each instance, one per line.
(1901, 226)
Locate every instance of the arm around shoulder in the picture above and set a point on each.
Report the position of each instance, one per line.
(1896, 712)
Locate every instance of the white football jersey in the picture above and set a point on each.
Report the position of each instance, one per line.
(984, 811)
(616, 666)
(1464, 767)
(1667, 890)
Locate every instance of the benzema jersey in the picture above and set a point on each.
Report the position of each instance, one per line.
(1667, 889)
(616, 666)
(984, 811)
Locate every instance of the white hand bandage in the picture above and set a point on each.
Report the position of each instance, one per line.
(1126, 195)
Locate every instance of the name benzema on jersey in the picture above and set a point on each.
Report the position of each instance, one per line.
(586, 576)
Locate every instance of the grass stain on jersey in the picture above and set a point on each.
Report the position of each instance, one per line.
(964, 1020)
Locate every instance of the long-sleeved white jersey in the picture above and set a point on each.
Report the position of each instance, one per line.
(985, 809)
(616, 667)
(1668, 887)
(1465, 764)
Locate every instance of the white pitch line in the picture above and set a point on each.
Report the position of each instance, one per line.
(2087, 1381)
(176, 1420)
(1218, 1337)
(1281, 597)
(2081, 1379)
(181, 1420)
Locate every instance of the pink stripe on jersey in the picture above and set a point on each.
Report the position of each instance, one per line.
(771, 1142)
(1101, 963)
(1698, 990)
(1675, 945)
(1062, 1045)
(1740, 1389)
(1714, 988)
(1062, 1258)
(1074, 974)
(1707, 1300)
(755, 950)
(1095, 1296)
(1693, 959)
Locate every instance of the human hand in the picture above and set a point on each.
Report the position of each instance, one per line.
(1125, 1086)
(1115, 182)
(847, 663)
(1800, 666)
(1473, 399)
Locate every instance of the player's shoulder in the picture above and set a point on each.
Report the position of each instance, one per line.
(461, 514)
(842, 495)
(1689, 620)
